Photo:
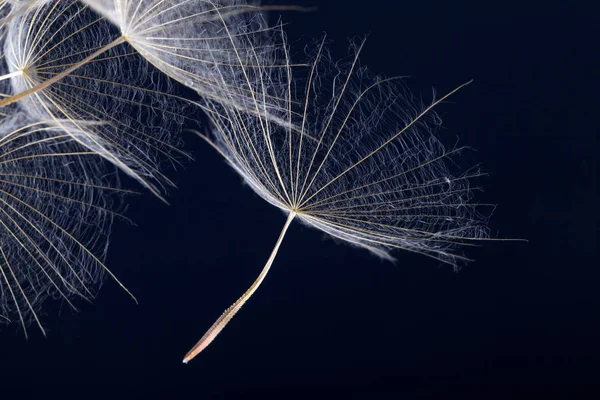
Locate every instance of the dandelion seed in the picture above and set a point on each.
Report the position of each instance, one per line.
(373, 174)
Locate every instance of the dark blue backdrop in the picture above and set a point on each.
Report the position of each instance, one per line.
(331, 321)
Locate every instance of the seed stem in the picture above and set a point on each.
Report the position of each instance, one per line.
(224, 319)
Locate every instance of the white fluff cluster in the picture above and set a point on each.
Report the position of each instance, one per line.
(98, 76)
(85, 82)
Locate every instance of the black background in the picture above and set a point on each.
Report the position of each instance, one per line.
(332, 321)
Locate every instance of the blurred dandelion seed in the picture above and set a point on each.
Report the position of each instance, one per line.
(186, 40)
(55, 218)
(64, 105)
(66, 64)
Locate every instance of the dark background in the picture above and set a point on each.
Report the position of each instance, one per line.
(332, 321)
